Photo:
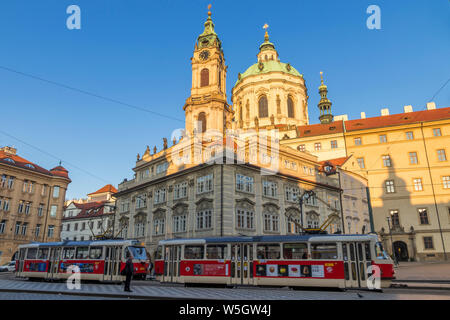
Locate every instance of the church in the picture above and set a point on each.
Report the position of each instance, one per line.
(241, 168)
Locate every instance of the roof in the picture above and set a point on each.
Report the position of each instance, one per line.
(338, 162)
(269, 66)
(81, 243)
(107, 188)
(89, 210)
(398, 119)
(28, 165)
(319, 129)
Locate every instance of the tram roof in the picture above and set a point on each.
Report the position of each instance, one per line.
(271, 238)
(79, 243)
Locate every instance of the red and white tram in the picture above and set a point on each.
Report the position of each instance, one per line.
(100, 260)
(315, 260)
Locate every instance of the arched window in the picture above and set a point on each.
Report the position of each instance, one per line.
(204, 78)
(202, 122)
(290, 105)
(263, 107)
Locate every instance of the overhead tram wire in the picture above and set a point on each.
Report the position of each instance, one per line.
(89, 93)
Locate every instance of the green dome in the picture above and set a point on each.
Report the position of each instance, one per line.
(269, 66)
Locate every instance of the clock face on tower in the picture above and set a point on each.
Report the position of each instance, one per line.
(204, 55)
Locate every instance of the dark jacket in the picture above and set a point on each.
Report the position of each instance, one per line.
(129, 270)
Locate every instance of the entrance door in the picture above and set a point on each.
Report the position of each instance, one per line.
(401, 251)
(172, 257)
(357, 259)
(242, 264)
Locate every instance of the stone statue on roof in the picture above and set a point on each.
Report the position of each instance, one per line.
(165, 143)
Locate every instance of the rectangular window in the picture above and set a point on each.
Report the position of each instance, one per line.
(32, 253)
(270, 189)
(428, 242)
(205, 184)
(179, 223)
(27, 208)
(413, 158)
(10, 182)
(44, 187)
(125, 206)
(204, 219)
(301, 148)
(2, 226)
(441, 155)
(40, 210)
(292, 193)
(37, 230)
(244, 219)
(218, 251)
(295, 251)
(437, 132)
(55, 192)
(141, 201)
(244, 183)
(357, 141)
(317, 146)
(327, 251)
(17, 229)
(158, 226)
(30, 187)
(409, 135)
(395, 219)
(194, 252)
(268, 251)
(418, 184)
(180, 190)
(361, 163)
(25, 186)
(3, 181)
(68, 253)
(24, 228)
(446, 182)
(386, 160)
(5, 204)
(271, 222)
(162, 167)
(160, 195)
(383, 138)
(53, 210)
(20, 207)
(423, 215)
(51, 230)
(42, 254)
(334, 144)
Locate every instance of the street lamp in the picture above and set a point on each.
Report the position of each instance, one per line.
(392, 241)
(307, 194)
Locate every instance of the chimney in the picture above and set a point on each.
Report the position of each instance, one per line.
(385, 112)
(407, 109)
(431, 106)
(341, 117)
(363, 115)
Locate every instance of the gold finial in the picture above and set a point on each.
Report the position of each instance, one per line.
(209, 9)
(321, 77)
(266, 36)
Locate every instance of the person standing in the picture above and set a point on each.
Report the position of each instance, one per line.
(128, 272)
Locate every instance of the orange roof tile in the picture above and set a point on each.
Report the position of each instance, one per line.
(107, 188)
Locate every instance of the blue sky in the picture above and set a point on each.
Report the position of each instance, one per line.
(138, 52)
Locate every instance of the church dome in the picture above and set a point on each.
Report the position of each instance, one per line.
(267, 66)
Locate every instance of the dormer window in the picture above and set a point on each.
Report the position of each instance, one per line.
(30, 166)
(9, 160)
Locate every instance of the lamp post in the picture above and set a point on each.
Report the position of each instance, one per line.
(392, 241)
(307, 194)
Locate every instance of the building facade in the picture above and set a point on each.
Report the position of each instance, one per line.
(31, 202)
(91, 219)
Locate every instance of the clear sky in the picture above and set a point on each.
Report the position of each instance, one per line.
(139, 52)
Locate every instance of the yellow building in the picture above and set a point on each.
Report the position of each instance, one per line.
(31, 202)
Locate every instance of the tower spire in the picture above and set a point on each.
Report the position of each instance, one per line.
(324, 104)
(208, 37)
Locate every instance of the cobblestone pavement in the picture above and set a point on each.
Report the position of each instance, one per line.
(40, 296)
(178, 292)
(423, 271)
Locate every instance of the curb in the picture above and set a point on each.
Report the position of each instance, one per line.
(425, 287)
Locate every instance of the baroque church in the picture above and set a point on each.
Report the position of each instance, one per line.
(216, 181)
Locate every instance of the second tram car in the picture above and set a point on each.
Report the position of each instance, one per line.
(100, 260)
(309, 260)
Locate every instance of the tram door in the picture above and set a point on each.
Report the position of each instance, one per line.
(53, 262)
(242, 263)
(21, 260)
(112, 263)
(172, 257)
(356, 256)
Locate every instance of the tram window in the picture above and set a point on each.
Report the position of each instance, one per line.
(158, 253)
(323, 251)
(352, 252)
(368, 255)
(379, 251)
(137, 252)
(268, 251)
(344, 252)
(69, 253)
(295, 251)
(194, 252)
(42, 253)
(360, 255)
(95, 252)
(31, 254)
(82, 252)
(216, 251)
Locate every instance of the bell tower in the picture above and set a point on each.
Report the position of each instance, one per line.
(324, 104)
(207, 107)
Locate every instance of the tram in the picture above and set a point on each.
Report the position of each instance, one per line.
(100, 260)
(310, 260)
